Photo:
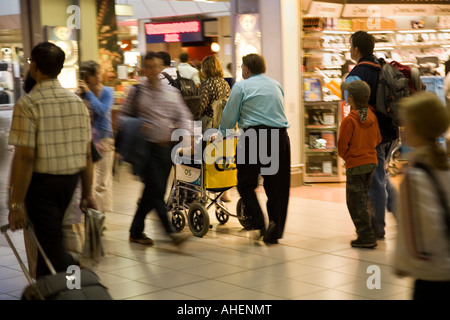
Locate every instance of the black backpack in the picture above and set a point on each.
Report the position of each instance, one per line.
(396, 81)
(188, 90)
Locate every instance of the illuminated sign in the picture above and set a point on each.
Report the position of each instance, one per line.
(180, 31)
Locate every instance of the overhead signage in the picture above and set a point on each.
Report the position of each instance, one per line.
(372, 10)
(407, 2)
(326, 9)
(179, 31)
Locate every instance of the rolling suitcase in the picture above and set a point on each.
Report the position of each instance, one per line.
(84, 285)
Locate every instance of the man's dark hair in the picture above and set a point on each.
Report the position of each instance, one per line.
(184, 57)
(360, 92)
(364, 41)
(49, 58)
(152, 55)
(88, 68)
(255, 63)
(166, 58)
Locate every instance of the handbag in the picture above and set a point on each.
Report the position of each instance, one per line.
(93, 250)
(96, 156)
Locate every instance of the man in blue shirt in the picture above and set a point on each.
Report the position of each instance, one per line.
(256, 104)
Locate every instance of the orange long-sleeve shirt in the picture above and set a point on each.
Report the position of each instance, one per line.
(358, 139)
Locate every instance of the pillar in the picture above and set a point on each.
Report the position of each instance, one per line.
(280, 46)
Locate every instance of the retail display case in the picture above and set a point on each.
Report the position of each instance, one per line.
(322, 119)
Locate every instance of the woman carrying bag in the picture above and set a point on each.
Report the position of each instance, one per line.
(100, 99)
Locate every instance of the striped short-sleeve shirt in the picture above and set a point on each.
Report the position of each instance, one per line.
(55, 122)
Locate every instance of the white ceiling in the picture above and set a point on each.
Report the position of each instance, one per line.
(148, 9)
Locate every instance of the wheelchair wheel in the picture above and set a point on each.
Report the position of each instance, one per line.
(198, 219)
(178, 220)
(244, 219)
(221, 215)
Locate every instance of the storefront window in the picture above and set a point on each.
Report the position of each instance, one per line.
(11, 51)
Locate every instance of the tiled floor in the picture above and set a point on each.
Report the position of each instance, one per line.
(314, 260)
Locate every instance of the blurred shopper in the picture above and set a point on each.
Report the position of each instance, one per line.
(447, 103)
(99, 100)
(186, 70)
(163, 110)
(49, 157)
(361, 50)
(168, 69)
(213, 88)
(228, 74)
(256, 104)
(423, 241)
(358, 137)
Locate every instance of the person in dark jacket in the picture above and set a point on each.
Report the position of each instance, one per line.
(361, 50)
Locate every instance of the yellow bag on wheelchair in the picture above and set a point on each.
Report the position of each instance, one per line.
(220, 164)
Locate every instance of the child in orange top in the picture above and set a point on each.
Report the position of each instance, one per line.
(358, 137)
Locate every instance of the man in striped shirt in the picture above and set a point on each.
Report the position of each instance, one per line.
(163, 110)
(51, 133)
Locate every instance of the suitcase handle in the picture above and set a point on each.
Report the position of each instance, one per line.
(4, 230)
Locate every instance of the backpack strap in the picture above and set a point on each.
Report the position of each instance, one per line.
(169, 78)
(439, 191)
(370, 64)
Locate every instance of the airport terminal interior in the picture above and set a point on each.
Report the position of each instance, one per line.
(306, 47)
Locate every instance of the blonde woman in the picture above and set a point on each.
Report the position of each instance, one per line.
(423, 243)
(213, 88)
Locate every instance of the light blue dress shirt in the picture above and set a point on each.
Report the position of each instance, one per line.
(255, 101)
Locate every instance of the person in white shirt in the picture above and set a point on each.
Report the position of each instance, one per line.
(186, 70)
(168, 69)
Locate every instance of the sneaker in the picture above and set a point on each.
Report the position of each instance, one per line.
(142, 239)
(179, 237)
(359, 243)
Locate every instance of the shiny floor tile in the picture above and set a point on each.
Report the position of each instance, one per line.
(313, 261)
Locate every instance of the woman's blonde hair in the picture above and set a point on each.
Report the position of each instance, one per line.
(211, 67)
(430, 119)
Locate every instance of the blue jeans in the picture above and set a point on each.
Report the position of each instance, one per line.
(378, 189)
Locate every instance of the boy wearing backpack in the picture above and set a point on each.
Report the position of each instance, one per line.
(358, 137)
(368, 69)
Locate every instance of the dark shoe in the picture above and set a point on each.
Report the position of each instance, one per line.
(269, 236)
(178, 237)
(360, 243)
(379, 235)
(142, 239)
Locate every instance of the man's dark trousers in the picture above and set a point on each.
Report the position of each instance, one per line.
(47, 199)
(276, 185)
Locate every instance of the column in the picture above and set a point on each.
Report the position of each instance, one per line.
(280, 35)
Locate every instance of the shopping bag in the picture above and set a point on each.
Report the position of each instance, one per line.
(93, 245)
(220, 164)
